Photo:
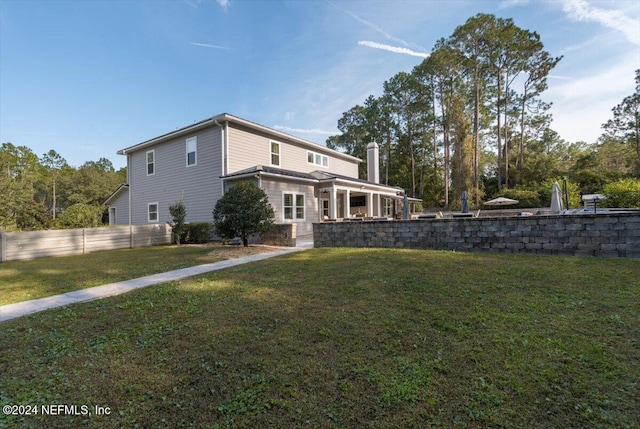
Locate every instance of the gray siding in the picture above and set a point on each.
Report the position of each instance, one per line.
(199, 186)
(248, 148)
(275, 190)
(121, 205)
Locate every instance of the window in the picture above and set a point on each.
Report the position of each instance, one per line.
(275, 153)
(293, 206)
(317, 159)
(152, 212)
(192, 151)
(151, 162)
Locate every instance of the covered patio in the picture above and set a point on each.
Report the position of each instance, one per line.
(342, 198)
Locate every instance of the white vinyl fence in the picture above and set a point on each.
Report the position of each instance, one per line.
(16, 246)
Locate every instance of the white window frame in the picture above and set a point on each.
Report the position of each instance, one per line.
(113, 220)
(153, 162)
(272, 153)
(149, 220)
(195, 152)
(318, 159)
(294, 207)
(326, 211)
(388, 207)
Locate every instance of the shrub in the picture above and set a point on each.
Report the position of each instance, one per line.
(178, 213)
(198, 232)
(243, 210)
(79, 215)
(623, 193)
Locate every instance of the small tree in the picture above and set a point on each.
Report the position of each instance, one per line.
(79, 215)
(243, 210)
(623, 193)
(179, 213)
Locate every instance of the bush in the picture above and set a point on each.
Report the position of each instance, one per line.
(79, 215)
(623, 193)
(178, 212)
(198, 232)
(243, 210)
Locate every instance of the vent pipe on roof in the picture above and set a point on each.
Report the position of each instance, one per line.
(373, 163)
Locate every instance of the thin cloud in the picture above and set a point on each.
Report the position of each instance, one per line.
(193, 4)
(305, 131)
(394, 49)
(581, 10)
(376, 28)
(206, 45)
(555, 76)
(513, 3)
(224, 3)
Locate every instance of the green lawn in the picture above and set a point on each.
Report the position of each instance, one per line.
(25, 280)
(345, 338)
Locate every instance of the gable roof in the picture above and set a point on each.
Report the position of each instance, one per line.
(115, 194)
(225, 117)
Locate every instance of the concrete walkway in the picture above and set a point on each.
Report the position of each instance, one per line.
(11, 311)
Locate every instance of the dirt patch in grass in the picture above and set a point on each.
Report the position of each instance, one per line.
(234, 252)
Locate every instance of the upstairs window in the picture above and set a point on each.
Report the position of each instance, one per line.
(275, 153)
(317, 159)
(151, 162)
(192, 151)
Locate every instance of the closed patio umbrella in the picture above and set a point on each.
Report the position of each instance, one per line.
(465, 202)
(405, 207)
(556, 198)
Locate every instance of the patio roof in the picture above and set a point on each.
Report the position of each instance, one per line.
(319, 177)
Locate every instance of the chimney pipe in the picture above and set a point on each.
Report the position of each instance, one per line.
(373, 163)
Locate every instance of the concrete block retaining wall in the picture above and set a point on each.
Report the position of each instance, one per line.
(608, 235)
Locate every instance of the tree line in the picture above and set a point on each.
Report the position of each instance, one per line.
(45, 192)
(470, 118)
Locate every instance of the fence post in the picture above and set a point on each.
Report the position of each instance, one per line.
(84, 241)
(3, 247)
(130, 236)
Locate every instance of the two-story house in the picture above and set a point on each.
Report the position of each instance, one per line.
(305, 182)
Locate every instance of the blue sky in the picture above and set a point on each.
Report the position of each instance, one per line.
(87, 78)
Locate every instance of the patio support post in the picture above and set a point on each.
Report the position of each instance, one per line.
(370, 198)
(347, 203)
(333, 203)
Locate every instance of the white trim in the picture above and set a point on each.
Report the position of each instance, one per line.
(146, 158)
(113, 220)
(294, 207)
(149, 212)
(271, 153)
(315, 156)
(322, 201)
(187, 141)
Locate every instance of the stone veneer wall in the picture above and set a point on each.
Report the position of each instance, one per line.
(610, 235)
(282, 234)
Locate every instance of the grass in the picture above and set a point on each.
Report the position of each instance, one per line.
(345, 338)
(25, 280)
